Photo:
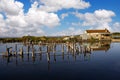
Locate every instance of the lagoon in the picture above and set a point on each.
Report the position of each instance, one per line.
(102, 63)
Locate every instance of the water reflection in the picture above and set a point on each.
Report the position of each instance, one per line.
(100, 46)
(65, 52)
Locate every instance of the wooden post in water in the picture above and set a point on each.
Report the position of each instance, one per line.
(54, 48)
(33, 52)
(63, 55)
(15, 53)
(40, 48)
(21, 51)
(48, 57)
(48, 54)
(7, 52)
(10, 50)
(28, 48)
(62, 47)
(79, 48)
(54, 57)
(54, 51)
(75, 49)
(28, 57)
(67, 48)
(72, 47)
(47, 48)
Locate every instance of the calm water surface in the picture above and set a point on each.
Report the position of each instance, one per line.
(103, 63)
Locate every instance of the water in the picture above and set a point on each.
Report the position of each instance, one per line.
(103, 63)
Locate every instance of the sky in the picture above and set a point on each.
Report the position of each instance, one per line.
(57, 17)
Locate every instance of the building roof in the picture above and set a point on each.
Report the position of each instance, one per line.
(98, 31)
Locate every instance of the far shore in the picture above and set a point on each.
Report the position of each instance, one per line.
(115, 40)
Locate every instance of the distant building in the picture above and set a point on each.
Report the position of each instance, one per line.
(98, 34)
(84, 36)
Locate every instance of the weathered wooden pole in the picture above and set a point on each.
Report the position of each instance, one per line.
(7, 52)
(10, 50)
(49, 66)
(79, 48)
(47, 48)
(54, 57)
(33, 51)
(28, 57)
(54, 48)
(85, 47)
(28, 48)
(15, 53)
(40, 48)
(48, 57)
(67, 48)
(62, 47)
(16, 62)
(72, 47)
(75, 49)
(21, 51)
(48, 54)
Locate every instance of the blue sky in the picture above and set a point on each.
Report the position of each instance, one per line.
(57, 17)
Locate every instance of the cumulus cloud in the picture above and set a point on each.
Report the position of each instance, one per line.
(104, 13)
(39, 17)
(10, 7)
(116, 27)
(55, 5)
(3, 28)
(100, 19)
(68, 32)
(18, 23)
(2, 23)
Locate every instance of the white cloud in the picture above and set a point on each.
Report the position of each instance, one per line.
(38, 17)
(3, 27)
(55, 5)
(116, 27)
(64, 15)
(10, 7)
(104, 13)
(71, 28)
(76, 24)
(2, 22)
(100, 19)
(16, 21)
(68, 32)
(32, 22)
(117, 24)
